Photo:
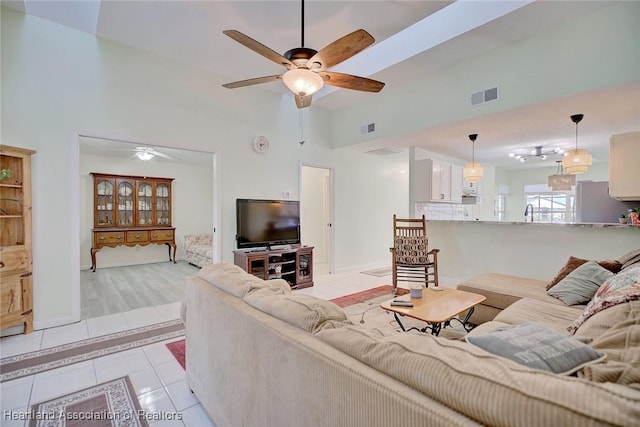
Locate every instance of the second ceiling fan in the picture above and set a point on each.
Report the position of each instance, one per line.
(307, 69)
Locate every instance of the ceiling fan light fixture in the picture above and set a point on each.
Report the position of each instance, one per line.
(144, 155)
(302, 81)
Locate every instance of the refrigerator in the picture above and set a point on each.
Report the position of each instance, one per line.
(593, 203)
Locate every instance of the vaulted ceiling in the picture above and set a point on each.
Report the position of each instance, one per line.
(413, 40)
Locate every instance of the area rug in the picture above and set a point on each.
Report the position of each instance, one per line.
(364, 308)
(177, 348)
(367, 295)
(21, 365)
(109, 404)
(378, 272)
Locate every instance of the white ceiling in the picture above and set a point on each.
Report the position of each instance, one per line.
(191, 32)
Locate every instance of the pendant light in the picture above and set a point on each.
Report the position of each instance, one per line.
(561, 181)
(578, 160)
(473, 171)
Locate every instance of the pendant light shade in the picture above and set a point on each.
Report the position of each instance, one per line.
(578, 160)
(561, 181)
(302, 81)
(473, 170)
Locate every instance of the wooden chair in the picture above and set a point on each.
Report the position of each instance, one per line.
(411, 259)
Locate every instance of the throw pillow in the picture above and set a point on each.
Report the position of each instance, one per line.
(304, 311)
(629, 259)
(618, 289)
(411, 250)
(579, 286)
(573, 263)
(539, 347)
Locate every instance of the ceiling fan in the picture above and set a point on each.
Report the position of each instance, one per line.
(145, 153)
(307, 68)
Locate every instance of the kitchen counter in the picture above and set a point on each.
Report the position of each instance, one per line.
(532, 249)
(543, 224)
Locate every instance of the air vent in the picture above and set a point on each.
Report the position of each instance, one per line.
(484, 96)
(365, 129)
(382, 152)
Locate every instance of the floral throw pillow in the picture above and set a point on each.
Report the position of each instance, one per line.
(411, 250)
(621, 288)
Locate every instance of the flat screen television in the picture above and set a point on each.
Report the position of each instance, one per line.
(267, 223)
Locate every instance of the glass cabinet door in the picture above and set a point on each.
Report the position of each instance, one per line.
(125, 203)
(163, 211)
(145, 214)
(104, 201)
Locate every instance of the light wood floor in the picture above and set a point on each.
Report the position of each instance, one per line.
(119, 289)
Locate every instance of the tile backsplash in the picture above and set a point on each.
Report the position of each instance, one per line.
(445, 211)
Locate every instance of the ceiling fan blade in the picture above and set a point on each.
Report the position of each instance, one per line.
(258, 47)
(303, 101)
(340, 50)
(164, 156)
(251, 82)
(347, 81)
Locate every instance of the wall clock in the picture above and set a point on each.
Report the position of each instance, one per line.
(261, 144)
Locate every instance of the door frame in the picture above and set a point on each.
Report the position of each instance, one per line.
(76, 135)
(331, 226)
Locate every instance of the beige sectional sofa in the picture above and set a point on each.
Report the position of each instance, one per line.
(259, 355)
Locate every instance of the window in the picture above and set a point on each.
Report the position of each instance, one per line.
(550, 206)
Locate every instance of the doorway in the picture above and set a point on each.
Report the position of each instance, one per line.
(190, 215)
(317, 215)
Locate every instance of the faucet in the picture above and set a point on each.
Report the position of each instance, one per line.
(526, 212)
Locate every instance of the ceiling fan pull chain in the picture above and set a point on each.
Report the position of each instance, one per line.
(302, 141)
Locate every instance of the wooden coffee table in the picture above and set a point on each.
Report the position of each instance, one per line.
(436, 308)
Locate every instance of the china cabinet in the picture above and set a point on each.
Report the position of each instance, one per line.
(16, 256)
(130, 211)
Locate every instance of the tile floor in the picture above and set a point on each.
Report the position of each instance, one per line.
(157, 377)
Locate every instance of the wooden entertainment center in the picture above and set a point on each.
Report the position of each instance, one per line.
(295, 265)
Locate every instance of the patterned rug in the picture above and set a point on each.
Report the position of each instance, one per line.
(21, 365)
(109, 404)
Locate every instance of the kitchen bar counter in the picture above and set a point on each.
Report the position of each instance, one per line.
(534, 250)
(544, 224)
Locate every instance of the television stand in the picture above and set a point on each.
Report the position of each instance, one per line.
(295, 265)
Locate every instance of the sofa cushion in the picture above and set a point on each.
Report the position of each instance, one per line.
(555, 316)
(502, 290)
(304, 311)
(579, 286)
(230, 278)
(619, 289)
(604, 320)
(621, 344)
(481, 385)
(537, 346)
(572, 263)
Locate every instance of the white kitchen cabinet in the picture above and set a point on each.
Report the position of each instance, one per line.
(456, 183)
(624, 173)
(437, 181)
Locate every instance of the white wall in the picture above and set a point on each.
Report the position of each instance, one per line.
(192, 206)
(57, 82)
(588, 53)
